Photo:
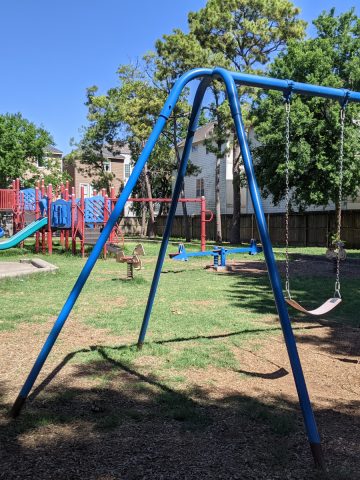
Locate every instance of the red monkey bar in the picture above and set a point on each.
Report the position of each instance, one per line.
(203, 212)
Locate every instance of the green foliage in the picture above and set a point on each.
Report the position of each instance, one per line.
(127, 114)
(98, 140)
(331, 58)
(246, 32)
(22, 147)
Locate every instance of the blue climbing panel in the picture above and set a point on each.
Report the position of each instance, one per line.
(94, 209)
(28, 195)
(61, 214)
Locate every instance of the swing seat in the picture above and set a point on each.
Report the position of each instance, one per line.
(325, 308)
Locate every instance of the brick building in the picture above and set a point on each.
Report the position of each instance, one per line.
(118, 163)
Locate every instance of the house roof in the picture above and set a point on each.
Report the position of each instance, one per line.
(52, 149)
(116, 151)
(201, 133)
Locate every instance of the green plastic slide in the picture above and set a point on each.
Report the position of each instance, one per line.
(24, 233)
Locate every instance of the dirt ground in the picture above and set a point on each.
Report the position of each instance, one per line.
(302, 265)
(240, 418)
(220, 423)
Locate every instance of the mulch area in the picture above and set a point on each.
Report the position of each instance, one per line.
(240, 423)
(301, 265)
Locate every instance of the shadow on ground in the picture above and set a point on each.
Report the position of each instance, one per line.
(137, 426)
(342, 337)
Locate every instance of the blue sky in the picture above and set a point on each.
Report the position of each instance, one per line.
(52, 50)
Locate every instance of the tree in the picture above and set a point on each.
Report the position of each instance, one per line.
(90, 155)
(127, 113)
(176, 54)
(332, 58)
(247, 33)
(22, 148)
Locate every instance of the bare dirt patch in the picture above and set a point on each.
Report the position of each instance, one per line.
(302, 266)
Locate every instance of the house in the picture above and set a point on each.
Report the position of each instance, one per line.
(51, 162)
(204, 182)
(118, 163)
(52, 154)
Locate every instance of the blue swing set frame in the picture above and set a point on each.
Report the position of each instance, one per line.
(231, 81)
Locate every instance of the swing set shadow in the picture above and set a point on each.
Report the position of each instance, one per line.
(101, 349)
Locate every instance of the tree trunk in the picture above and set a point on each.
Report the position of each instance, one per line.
(235, 223)
(143, 220)
(143, 206)
(217, 201)
(337, 219)
(182, 193)
(185, 216)
(151, 205)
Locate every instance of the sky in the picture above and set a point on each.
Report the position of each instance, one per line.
(52, 50)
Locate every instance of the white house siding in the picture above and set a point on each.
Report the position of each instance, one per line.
(128, 212)
(352, 204)
(227, 201)
(269, 207)
(207, 163)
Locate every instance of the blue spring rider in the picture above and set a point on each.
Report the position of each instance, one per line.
(2, 233)
(218, 253)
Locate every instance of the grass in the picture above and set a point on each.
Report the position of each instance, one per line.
(212, 313)
(190, 301)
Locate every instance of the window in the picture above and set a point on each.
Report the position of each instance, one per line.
(200, 187)
(41, 162)
(194, 148)
(127, 170)
(87, 189)
(107, 166)
(207, 150)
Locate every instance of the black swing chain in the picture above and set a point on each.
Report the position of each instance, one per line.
(341, 175)
(287, 196)
(287, 102)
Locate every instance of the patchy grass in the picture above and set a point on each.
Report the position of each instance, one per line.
(202, 354)
(175, 388)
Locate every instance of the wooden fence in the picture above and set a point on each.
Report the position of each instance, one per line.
(305, 229)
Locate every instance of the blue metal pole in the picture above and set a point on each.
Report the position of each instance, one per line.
(308, 415)
(307, 89)
(80, 282)
(175, 197)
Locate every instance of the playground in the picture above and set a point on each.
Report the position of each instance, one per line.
(210, 390)
(196, 384)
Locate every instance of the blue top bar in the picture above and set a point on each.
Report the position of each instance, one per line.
(296, 87)
(267, 83)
